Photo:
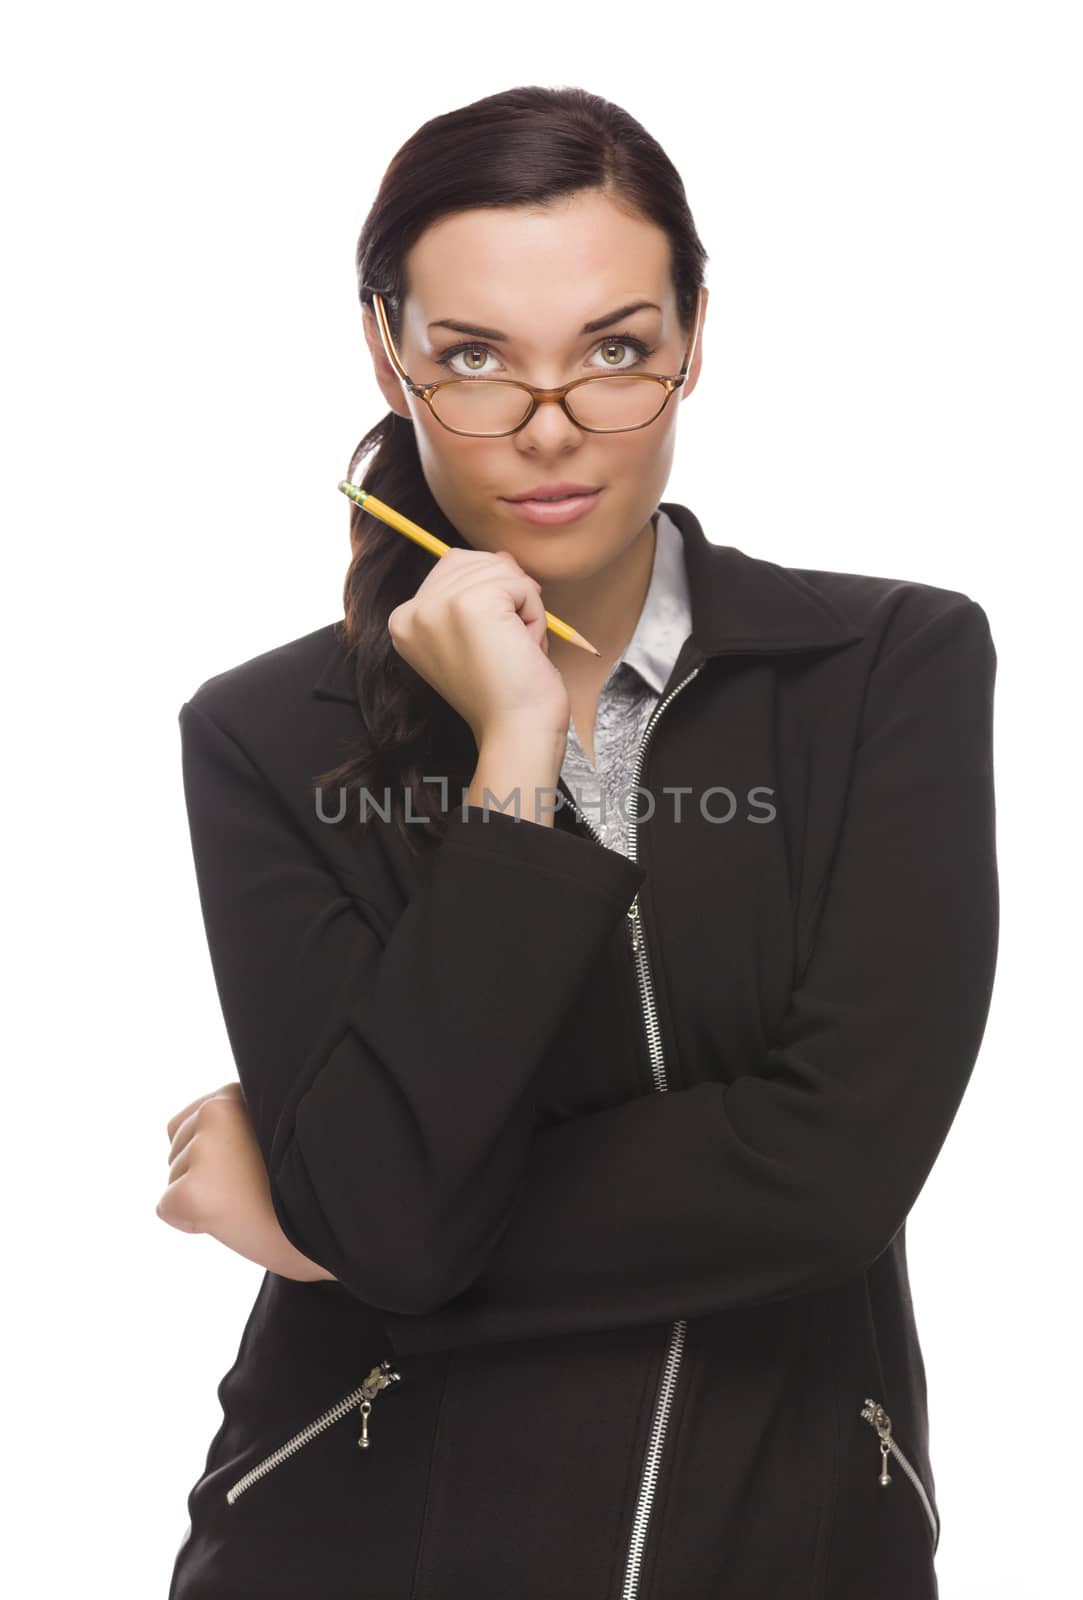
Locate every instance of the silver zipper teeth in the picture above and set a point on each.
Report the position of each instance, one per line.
(359, 1397)
(664, 1402)
(878, 1418)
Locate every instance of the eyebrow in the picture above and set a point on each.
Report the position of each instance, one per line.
(588, 327)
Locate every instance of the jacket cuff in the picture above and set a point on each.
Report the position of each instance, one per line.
(503, 838)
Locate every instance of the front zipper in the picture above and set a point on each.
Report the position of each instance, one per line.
(664, 1402)
(381, 1376)
(877, 1417)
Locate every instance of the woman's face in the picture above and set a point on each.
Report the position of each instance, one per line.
(537, 276)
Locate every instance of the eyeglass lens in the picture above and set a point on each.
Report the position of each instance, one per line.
(606, 404)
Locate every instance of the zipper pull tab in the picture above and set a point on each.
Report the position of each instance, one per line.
(633, 918)
(878, 1417)
(381, 1375)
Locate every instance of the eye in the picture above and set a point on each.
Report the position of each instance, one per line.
(464, 350)
(474, 355)
(619, 342)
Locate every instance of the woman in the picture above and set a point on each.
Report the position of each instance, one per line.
(579, 1149)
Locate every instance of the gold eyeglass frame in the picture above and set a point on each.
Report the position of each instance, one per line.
(538, 397)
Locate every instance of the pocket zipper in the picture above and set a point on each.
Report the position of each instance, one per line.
(877, 1417)
(381, 1376)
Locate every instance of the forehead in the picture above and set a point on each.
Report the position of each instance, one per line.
(527, 269)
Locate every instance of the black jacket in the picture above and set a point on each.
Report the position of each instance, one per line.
(612, 1157)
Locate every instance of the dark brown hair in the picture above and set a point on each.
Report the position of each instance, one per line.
(521, 147)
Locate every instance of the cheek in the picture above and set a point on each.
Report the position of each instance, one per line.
(457, 473)
(446, 459)
(642, 447)
(639, 464)
(465, 474)
(433, 442)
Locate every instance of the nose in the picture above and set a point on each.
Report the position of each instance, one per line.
(549, 427)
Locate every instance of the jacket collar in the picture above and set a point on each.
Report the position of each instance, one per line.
(744, 605)
(741, 605)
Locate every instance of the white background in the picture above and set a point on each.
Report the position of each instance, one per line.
(890, 198)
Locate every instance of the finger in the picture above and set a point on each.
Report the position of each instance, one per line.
(178, 1206)
(532, 612)
(227, 1090)
(182, 1116)
(522, 591)
(462, 569)
(454, 570)
(181, 1158)
(210, 1106)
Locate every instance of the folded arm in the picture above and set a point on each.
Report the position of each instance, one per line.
(388, 1073)
(797, 1175)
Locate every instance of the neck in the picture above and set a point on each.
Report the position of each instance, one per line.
(604, 607)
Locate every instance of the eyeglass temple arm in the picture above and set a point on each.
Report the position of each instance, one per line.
(696, 320)
(386, 339)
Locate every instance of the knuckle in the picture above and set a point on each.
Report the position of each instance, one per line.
(179, 1206)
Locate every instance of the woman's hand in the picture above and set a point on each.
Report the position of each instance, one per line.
(476, 632)
(218, 1185)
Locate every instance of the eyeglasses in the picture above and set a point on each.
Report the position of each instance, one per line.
(491, 408)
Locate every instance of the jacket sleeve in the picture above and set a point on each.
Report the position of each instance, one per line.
(797, 1175)
(387, 1072)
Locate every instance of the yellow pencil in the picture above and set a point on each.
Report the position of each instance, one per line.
(437, 547)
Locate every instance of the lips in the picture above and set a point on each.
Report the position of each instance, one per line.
(553, 491)
(555, 513)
